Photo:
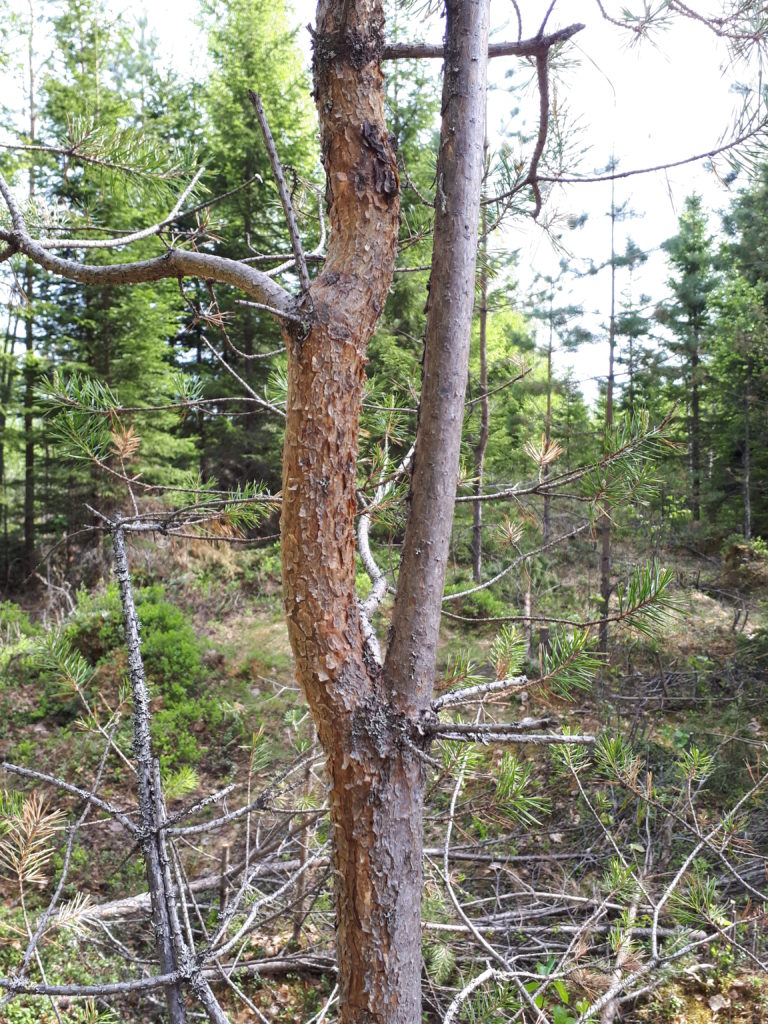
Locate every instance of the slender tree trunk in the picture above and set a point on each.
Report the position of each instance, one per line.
(364, 715)
(145, 784)
(4, 554)
(746, 459)
(6, 386)
(416, 616)
(631, 382)
(605, 519)
(695, 432)
(528, 611)
(29, 364)
(482, 443)
(548, 427)
(29, 425)
(174, 954)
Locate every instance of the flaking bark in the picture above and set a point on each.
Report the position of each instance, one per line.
(375, 798)
(364, 717)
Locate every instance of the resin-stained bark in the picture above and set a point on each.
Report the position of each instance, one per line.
(376, 794)
(326, 368)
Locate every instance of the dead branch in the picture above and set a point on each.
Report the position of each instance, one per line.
(282, 188)
(522, 48)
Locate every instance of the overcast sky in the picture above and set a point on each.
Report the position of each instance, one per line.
(656, 103)
(659, 102)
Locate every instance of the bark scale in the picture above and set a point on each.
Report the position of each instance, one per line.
(375, 792)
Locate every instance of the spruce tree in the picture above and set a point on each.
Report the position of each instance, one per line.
(691, 257)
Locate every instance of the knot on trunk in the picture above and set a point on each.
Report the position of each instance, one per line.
(347, 46)
(375, 727)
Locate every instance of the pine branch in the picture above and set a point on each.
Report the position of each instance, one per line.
(539, 44)
(175, 263)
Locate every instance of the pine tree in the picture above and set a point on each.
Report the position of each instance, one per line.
(251, 46)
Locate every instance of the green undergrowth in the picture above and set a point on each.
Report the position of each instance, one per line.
(733, 998)
(220, 670)
(187, 707)
(70, 964)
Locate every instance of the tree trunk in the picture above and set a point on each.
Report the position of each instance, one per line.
(631, 381)
(364, 714)
(482, 442)
(416, 617)
(746, 459)
(6, 388)
(528, 611)
(547, 515)
(147, 791)
(605, 519)
(4, 553)
(372, 803)
(29, 424)
(29, 364)
(695, 431)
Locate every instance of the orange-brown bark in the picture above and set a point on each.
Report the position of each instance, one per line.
(326, 368)
(376, 794)
(363, 715)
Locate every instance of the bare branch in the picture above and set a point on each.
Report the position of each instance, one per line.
(176, 263)
(495, 734)
(517, 561)
(231, 370)
(542, 75)
(521, 48)
(271, 897)
(480, 939)
(282, 188)
(709, 154)
(489, 974)
(499, 387)
(269, 966)
(134, 236)
(471, 693)
(28, 773)
(165, 924)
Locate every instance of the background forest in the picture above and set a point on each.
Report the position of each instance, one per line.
(625, 537)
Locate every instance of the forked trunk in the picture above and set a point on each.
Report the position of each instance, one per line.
(365, 713)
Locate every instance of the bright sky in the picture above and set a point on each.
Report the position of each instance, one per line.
(662, 101)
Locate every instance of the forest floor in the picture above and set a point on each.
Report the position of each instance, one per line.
(215, 617)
